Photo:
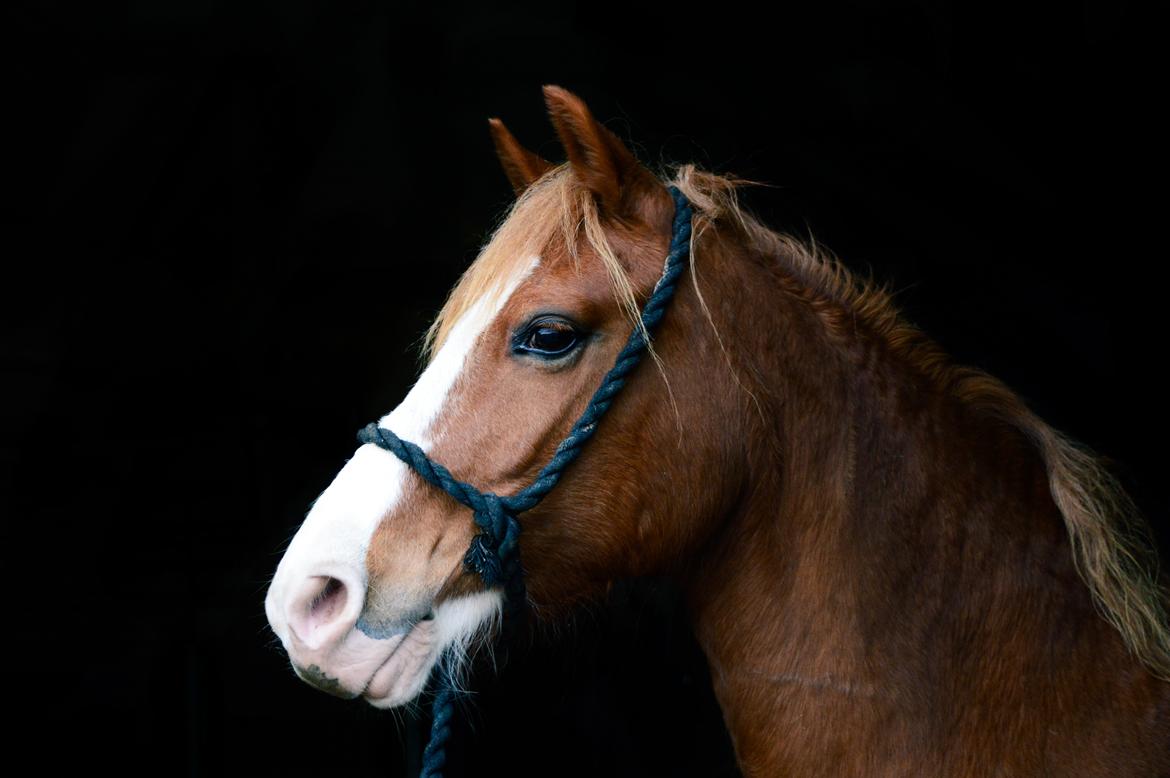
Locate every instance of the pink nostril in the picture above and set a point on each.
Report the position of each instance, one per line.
(329, 602)
(318, 611)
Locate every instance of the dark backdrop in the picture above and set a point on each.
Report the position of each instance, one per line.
(229, 223)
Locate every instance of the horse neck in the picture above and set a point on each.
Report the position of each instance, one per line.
(894, 544)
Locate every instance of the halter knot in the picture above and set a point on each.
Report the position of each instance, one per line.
(493, 552)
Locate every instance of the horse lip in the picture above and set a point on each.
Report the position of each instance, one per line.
(391, 655)
(320, 680)
(391, 628)
(394, 633)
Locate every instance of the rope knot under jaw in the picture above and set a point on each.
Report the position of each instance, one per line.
(493, 550)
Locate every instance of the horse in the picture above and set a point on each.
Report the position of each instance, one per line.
(892, 565)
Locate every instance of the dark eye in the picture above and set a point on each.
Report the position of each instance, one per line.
(548, 338)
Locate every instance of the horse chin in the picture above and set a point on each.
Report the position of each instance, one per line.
(403, 675)
(456, 626)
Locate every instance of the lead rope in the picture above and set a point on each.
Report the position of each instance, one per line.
(494, 553)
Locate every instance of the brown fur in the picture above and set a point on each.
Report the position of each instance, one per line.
(893, 566)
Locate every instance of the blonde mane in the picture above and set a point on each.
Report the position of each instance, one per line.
(1111, 543)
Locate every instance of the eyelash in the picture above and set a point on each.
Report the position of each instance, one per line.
(560, 335)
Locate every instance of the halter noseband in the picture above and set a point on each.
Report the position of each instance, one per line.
(494, 553)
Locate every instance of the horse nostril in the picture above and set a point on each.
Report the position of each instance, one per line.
(329, 602)
(318, 611)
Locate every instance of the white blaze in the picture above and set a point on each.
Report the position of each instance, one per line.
(335, 535)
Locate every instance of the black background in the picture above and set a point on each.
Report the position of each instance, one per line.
(229, 223)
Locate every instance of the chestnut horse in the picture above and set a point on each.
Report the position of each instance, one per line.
(893, 566)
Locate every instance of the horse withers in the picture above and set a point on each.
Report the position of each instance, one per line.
(893, 566)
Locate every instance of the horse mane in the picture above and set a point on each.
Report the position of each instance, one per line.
(1112, 547)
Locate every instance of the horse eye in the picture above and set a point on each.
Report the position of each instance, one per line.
(548, 339)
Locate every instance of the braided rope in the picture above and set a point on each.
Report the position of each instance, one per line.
(494, 553)
(435, 754)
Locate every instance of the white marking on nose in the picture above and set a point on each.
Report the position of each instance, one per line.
(336, 533)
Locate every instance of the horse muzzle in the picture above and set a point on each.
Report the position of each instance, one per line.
(337, 649)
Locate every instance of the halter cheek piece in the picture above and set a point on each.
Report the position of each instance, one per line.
(494, 553)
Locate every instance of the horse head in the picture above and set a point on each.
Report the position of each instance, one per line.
(372, 592)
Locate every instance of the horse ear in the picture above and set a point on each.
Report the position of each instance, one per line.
(597, 157)
(521, 166)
